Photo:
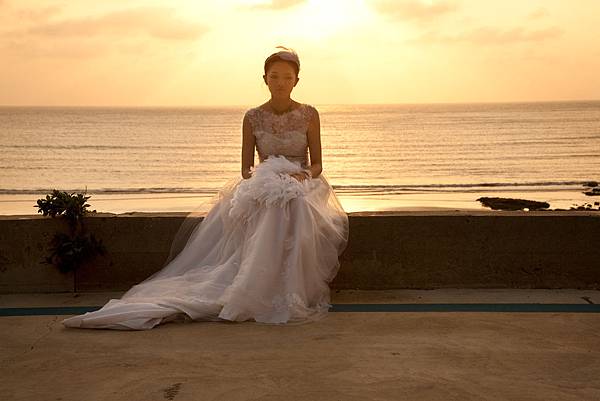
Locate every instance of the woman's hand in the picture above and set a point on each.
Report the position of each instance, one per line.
(299, 176)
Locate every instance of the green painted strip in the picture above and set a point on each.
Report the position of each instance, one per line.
(52, 310)
(500, 307)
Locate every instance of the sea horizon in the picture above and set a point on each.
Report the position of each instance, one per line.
(215, 105)
(443, 155)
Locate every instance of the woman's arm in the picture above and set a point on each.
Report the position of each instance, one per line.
(314, 144)
(248, 144)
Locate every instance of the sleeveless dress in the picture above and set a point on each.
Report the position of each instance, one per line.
(265, 252)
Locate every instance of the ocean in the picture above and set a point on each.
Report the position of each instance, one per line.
(377, 157)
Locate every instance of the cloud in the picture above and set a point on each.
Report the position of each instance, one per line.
(37, 15)
(56, 49)
(124, 32)
(414, 10)
(277, 5)
(492, 36)
(537, 14)
(156, 22)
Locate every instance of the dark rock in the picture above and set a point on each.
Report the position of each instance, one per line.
(591, 184)
(593, 192)
(512, 204)
(585, 207)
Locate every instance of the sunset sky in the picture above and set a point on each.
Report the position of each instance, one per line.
(197, 53)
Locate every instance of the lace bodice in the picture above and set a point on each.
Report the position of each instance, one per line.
(282, 134)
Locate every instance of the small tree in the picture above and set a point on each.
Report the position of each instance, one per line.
(70, 250)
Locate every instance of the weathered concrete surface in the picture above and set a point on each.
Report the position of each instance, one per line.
(386, 250)
(137, 245)
(480, 250)
(347, 356)
(443, 295)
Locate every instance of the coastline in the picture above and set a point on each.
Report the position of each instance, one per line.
(11, 204)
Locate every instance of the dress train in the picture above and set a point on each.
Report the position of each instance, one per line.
(265, 251)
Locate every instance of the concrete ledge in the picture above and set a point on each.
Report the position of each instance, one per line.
(392, 250)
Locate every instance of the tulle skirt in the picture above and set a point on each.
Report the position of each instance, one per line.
(265, 252)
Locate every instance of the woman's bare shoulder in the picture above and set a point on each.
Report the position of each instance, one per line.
(252, 116)
(311, 111)
(252, 109)
(258, 108)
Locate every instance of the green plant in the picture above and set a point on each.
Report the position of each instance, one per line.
(68, 253)
(64, 204)
(70, 250)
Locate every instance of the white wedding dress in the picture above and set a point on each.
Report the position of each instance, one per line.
(265, 251)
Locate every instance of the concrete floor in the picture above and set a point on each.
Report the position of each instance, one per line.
(348, 356)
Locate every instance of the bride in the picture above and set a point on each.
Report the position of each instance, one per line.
(270, 242)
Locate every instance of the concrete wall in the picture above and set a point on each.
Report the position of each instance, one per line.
(385, 250)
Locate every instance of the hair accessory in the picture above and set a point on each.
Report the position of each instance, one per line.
(286, 54)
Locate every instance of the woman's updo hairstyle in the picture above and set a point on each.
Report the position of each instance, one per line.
(288, 55)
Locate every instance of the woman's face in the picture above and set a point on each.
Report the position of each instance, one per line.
(281, 79)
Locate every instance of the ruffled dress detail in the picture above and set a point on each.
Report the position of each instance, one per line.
(265, 252)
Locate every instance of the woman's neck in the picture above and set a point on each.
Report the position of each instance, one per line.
(281, 106)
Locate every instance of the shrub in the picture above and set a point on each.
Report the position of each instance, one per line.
(70, 250)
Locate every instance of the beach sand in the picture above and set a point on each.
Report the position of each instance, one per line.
(25, 204)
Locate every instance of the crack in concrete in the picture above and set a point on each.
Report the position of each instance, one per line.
(588, 300)
(171, 391)
(49, 327)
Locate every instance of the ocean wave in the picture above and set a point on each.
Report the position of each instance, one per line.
(366, 189)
